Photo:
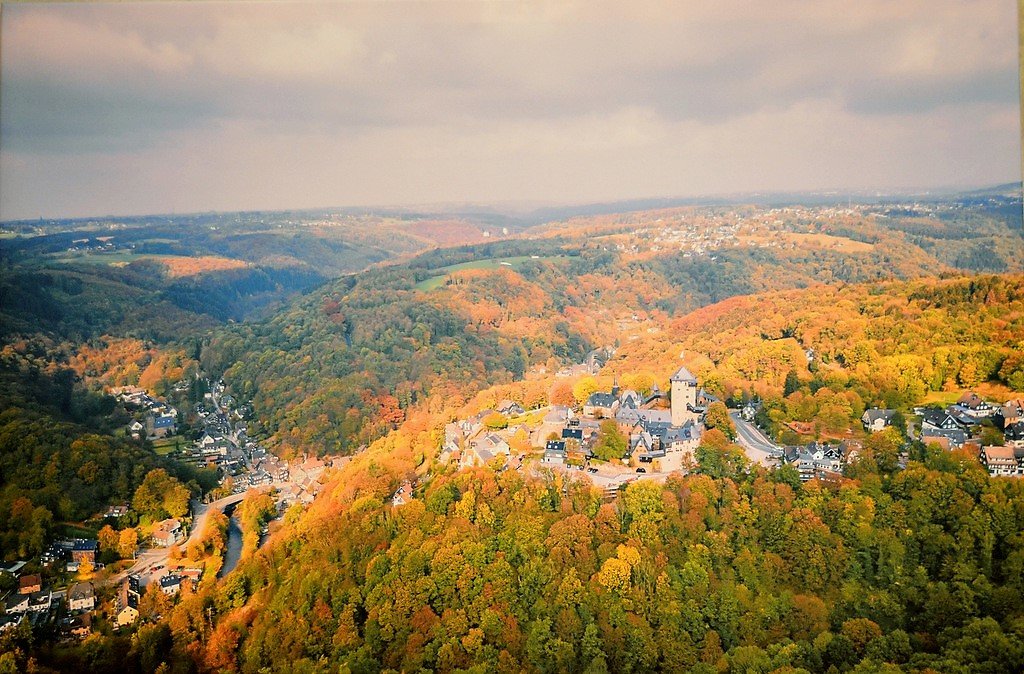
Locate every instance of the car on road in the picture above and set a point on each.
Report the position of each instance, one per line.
(591, 470)
(641, 470)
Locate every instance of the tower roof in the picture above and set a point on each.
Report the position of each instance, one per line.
(683, 375)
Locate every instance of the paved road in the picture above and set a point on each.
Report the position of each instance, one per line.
(758, 447)
(150, 558)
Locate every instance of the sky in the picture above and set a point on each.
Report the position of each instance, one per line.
(116, 109)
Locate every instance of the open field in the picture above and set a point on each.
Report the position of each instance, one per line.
(77, 530)
(988, 390)
(841, 244)
(493, 263)
(942, 398)
(165, 446)
(113, 259)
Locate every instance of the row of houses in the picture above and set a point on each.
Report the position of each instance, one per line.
(959, 426)
(664, 436)
(168, 532)
(1003, 460)
(301, 480)
(821, 461)
(469, 442)
(36, 602)
(1007, 459)
(221, 443)
(591, 365)
(71, 552)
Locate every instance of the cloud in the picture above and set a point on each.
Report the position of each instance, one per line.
(427, 94)
(45, 43)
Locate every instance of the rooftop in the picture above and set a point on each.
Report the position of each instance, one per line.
(683, 375)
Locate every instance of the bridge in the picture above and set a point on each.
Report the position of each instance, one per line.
(147, 559)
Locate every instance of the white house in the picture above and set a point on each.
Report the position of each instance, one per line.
(875, 420)
(81, 597)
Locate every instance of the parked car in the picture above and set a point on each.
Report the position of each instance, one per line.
(641, 470)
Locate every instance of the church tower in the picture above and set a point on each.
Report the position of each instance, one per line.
(684, 397)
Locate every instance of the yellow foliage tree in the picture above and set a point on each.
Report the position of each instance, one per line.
(583, 389)
(614, 574)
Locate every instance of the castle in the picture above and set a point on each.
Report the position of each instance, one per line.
(664, 439)
(684, 398)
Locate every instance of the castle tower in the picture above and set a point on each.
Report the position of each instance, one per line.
(684, 397)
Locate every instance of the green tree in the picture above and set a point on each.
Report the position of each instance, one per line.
(718, 417)
(161, 495)
(991, 436)
(611, 443)
(495, 421)
(792, 383)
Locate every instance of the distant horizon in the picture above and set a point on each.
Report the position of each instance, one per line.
(181, 107)
(529, 207)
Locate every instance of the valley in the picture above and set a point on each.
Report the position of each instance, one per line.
(511, 337)
(514, 408)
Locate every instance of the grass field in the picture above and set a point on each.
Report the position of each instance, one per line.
(165, 446)
(492, 263)
(807, 240)
(940, 398)
(74, 530)
(191, 266)
(991, 391)
(108, 258)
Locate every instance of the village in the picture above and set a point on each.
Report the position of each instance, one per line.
(72, 586)
(662, 430)
(705, 232)
(992, 432)
(614, 438)
(653, 434)
(222, 442)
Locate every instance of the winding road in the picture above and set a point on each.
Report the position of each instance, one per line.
(757, 446)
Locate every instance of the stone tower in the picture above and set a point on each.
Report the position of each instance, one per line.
(684, 397)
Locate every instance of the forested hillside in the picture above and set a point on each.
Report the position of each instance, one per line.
(349, 360)
(915, 571)
(732, 568)
(78, 302)
(59, 461)
(825, 353)
(163, 277)
(729, 568)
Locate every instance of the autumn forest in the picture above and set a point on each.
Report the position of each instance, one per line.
(908, 558)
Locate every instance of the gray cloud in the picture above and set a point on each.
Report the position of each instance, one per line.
(41, 116)
(362, 102)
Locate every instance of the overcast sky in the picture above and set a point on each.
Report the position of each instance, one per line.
(180, 107)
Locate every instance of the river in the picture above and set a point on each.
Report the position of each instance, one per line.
(234, 547)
